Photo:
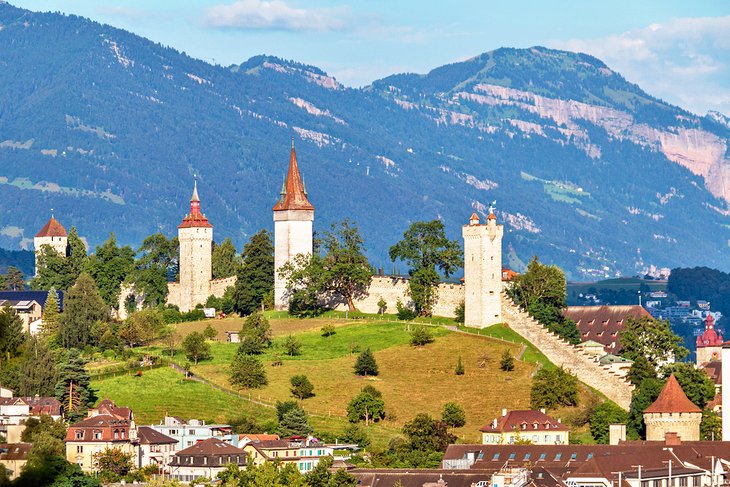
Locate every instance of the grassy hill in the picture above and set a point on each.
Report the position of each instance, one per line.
(412, 379)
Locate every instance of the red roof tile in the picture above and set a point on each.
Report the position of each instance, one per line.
(672, 399)
(293, 194)
(529, 418)
(195, 219)
(52, 229)
(211, 447)
(602, 324)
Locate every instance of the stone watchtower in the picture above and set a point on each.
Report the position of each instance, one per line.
(672, 412)
(293, 217)
(196, 240)
(482, 271)
(52, 234)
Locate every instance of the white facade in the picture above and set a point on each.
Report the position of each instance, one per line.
(292, 236)
(196, 248)
(482, 272)
(59, 244)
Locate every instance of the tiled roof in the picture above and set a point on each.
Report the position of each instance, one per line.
(52, 229)
(211, 447)
(714, 370)
(293, 195)
(672, 399)
(525, 420)
(37, 296)
(148, 436)
(105, 424)
(602, 324)
(260, 437)
(14, 451)
(195, 219)
(43, 405)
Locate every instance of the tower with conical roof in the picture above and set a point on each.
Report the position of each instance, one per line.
(293, 217)
(52, 234)
(482, 271)
(195, 234)
(672, 412)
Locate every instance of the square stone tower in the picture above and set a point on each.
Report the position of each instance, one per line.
(196, 240)
(52, 234)
(293, 217)
(482, 271)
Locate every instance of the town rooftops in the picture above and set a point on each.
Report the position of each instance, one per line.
(211, 447)
(714, 370)
(293, 193)
(52, 229)
(14, 451)
(102, 427)
(603, 323)
(148, 436)
(524, 420)
(672, 399)
(43, 405)
(39, 297)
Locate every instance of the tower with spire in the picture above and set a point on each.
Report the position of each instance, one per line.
(709, 343)
(482, 271)
(196, 247)
(293, 217)
(52, 234)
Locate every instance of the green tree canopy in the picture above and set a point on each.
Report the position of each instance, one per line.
(453, 415)
(295, 423)
(642, 398)
(425, 249)
(247, 372)
(195, 347)
(366, 406)
(142, 326)
(76, 255)
(38, 370)
(52, 270)
(653, 339)
(255, 274)
(12, 337)
(14, 280)
(110, 266)
(301, 387)
(347, 272)
(51, 316)
(552, 388)
(73, 386)
(641, 369)
(426, 434)
(83, 307)
(224, 259)
(604, 415)
(365, 364)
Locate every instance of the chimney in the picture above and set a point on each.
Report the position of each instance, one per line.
(504, 411)
(543, 410)
(616, 433)
(494, 423)
(726, 397)
(672, 439)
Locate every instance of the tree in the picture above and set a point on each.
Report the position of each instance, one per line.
(110, 266)
(210, 333)
(426, 434)
(425, 248)
(195, 347)
(507, 363)
(36, 426)
(453, 415)
(255, 334)
(83, 306)
(382, 305)
(113, 460)
(459, 312)
(421, 336)
(224, 259)
(14, 280)
(157, 262)
(365, 364)
(294, 423)
(52, 270)
(347, 272)
(642, 398)
(38, 370)
(11, 333)
(553, 388)
(293, 346)
(366, 406)
(459, 367)
(50, 315)
(301, 387)
(76, 250)
(283, 407)
(604, 415)
(651, 338)
(541, 291)
(304, 275)
(695, 382)
(255, 274)
(247, 372)
(328, 330)
(73, 386)
(142, 326)
(641, 369)
(355, 434)
(711, 426)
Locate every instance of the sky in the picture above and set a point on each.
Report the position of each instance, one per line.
(677, 50)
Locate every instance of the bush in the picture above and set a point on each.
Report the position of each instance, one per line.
(421, 336)
(507, 364)
(292, 346)
(459, 367)
(328, 330)
(459, 313)
(404, 313)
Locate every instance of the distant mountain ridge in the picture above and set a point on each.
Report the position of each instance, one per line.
(588, 171)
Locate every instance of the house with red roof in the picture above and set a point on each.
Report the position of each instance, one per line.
(207, 458)
(525, 425)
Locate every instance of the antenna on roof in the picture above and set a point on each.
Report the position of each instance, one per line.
(292, 141)
(51, 212)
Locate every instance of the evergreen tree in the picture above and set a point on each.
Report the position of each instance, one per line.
(255, 333)
(11, 333)
(109, 267)
(293, 346)
(255, 274)
(210, 333)
(38, 370)
(50, 315)
(507, 363)
(295, 423)
(459, 367)
(283, 407)
(421, 336)
(83, 307)
(365, 364)
(72, 388)
(301, 387)
(453, 415)
(641, 369)
(247, 372)
(224, 261)
(14, 279)
(76, 255)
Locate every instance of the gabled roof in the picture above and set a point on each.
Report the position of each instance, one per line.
(672, 399)
(103, 423)
(211, 447)
(52, 229)
(516, 419)
(43, 405)
(148, 436)
(14, 451)
(39, 297)
(293, 194)
(602, 324)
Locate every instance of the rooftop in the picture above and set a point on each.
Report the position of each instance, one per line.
(52, 229)
(672, 399)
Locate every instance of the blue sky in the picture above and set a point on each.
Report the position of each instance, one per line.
(676, 50)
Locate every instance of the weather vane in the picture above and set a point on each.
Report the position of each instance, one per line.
(493, 206)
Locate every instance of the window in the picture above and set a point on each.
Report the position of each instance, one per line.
(557, 456)
(546, 439)
(559, 439)
(173, 432)
(79, 435)
(527, 456)
(573, 456)
(683, 482)
(495, 457)
(542, 456)
(535, 438)
(511, 456)
(79, 449)
(696, 481)
(656, 483)
(191, 432)
(644, 483)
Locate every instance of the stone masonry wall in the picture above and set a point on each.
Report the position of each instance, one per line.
(563, 354)
(219, 286)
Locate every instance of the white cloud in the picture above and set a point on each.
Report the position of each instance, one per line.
(685, 61)
(275, 15)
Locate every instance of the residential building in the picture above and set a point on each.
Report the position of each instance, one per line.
(304, 453)
(525, 425)
(39, 405)
(154, 448)
(205, 459)
(29, 305)
(673, 413)
(189, 433)
(14, 456)
(96, 434)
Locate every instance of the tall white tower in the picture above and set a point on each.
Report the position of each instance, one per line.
(196, 239)
(293, 217)
(52, 234)
(482, 271)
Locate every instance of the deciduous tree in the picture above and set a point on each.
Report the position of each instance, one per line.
(110, 266)
(552, 388)
(366, 406)
(653, 339)
(247, 372)
(426, 434)
(453, 415)
(605, 414)
(195, 347)
(641, 369)
(301, 387)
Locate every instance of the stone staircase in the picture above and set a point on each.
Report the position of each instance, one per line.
(585, 366)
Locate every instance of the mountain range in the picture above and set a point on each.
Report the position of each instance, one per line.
(588, 171)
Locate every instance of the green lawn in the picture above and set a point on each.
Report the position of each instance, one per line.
(531, 355)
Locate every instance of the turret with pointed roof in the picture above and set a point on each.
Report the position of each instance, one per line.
(52, 234)
(672, 412)
(195, 218)
(293, 217)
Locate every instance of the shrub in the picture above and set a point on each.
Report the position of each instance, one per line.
(459, 367)
(421, 336)
(459, 313)
(404, 313)
(328, 330)
(507, 364)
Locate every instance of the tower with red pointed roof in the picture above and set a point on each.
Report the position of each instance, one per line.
(195, 234)
(52, 234)
(293, 217)
(709, 343)
(482, 271)
(672, 412)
